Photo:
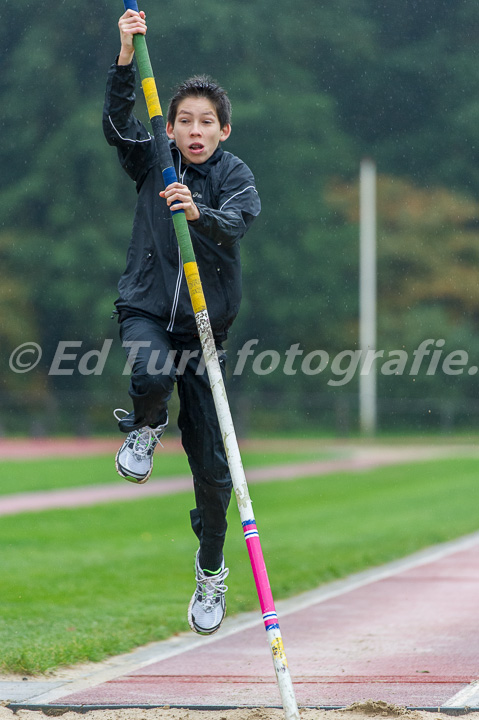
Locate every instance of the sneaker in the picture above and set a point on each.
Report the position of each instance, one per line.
(134, 460)
(207, 607)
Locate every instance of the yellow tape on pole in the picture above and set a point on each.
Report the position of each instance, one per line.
(277, 648)
(194, 285)
(151, 96)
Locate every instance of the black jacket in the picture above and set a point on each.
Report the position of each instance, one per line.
(223, 189)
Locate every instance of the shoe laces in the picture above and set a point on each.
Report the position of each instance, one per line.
(144, 439)
(210, 586)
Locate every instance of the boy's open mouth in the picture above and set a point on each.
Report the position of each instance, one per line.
(196, 147)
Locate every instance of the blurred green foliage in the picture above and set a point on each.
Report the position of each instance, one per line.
(315, 86)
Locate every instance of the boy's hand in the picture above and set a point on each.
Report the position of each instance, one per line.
(181, 196)
(129, 24)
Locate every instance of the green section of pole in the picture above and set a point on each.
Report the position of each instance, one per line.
(159, 130)
(184, 238)
(142, 56)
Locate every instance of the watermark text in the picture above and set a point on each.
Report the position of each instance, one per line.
(428, 358)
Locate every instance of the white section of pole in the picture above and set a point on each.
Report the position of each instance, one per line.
(367, 297)
(245, 507)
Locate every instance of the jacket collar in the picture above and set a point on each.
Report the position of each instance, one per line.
(203, 168)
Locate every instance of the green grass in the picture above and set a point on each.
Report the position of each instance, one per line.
(54, 473)
(80, 585)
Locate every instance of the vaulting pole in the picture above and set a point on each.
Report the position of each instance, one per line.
(205, 332)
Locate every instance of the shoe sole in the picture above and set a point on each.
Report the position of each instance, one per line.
(130, 478)
(192, 624)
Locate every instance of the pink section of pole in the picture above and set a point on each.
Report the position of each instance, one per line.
(260, 573)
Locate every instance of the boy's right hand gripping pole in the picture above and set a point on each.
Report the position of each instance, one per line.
(250, 530)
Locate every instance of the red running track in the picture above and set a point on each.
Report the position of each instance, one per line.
(406, 636)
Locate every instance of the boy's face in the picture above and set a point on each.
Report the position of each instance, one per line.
(196, 129)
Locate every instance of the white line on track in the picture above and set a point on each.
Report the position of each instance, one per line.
(468, 697)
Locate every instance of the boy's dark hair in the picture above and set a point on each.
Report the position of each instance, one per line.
(202, 86)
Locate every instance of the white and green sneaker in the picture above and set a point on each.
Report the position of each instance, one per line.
(207, 607)
(134, 460)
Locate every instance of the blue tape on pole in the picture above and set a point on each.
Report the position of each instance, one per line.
(169, 176)
(131, 5)
(272, 627)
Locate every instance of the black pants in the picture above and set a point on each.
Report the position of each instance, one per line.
(159, 359)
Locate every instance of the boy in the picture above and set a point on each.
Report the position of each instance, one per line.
(217, 192)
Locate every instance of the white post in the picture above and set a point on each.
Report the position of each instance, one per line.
(367, 296)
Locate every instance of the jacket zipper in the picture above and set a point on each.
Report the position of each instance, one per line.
(179, 278)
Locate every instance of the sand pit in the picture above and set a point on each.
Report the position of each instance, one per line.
(357, 711)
